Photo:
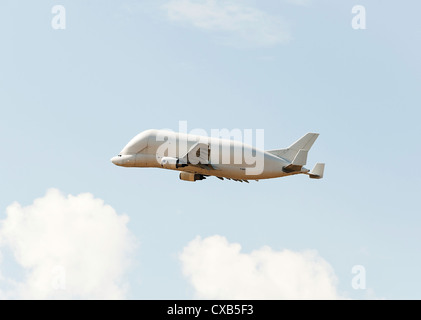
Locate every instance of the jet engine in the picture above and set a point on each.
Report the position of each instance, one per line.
(188, 176)
(171, 163)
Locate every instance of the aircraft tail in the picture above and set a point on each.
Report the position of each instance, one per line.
(297, 152)
(317, 172)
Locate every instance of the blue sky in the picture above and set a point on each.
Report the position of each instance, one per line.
(71, 99)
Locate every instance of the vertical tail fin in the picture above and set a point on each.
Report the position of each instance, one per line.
(294, 150)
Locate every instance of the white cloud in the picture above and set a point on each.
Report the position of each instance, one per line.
(237, 23)
(218, 270)
(2, 294)
(68, 247)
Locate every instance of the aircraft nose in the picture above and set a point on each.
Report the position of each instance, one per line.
(115, 160)
(124, 160)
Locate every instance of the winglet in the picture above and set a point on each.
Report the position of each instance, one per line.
(317, 171)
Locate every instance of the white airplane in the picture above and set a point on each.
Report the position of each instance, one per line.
(198, 157)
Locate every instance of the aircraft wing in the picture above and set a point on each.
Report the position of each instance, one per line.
(198, 155)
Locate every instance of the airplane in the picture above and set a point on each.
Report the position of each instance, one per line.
(199, 157)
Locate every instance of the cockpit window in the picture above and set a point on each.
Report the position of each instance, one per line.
(119, 155)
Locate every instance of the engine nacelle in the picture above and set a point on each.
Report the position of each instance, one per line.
(170, 163)
(188, 176)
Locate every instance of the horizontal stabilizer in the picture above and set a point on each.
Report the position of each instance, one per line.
(317, 171)
(299, 161)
